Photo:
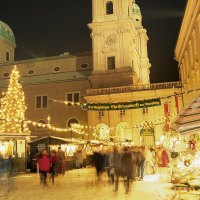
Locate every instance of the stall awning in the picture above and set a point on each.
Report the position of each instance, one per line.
(5, 136)
(188, 120)
(64, 140)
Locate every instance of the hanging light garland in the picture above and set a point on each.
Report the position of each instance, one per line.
(79, 131)
(84, 106)
(68, 103)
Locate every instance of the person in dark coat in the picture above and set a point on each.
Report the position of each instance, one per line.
(127, 167)
(54, 164)
(9, 182)
(61, 159)
(141, 163)
(2, 166)
(117, 164)
(99, 163)
(135, 156)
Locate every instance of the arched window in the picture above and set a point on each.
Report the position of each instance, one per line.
(7, 56)
(102, 130)
(72, 121)
(123, 131)
(109, 8)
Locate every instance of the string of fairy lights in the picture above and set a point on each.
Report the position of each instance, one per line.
(146, 124)
(82, 130)
(12, 113)
(83, 105)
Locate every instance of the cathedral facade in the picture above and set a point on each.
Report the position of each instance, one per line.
(115, 74)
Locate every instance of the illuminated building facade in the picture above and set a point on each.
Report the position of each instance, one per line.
(121, 73)
(118, 70)
(187, 51)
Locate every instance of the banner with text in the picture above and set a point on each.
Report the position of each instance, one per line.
(123, 105)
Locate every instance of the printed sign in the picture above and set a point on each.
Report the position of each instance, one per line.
(123, 105)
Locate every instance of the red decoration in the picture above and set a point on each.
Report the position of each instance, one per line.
(192, 145)
(176, 103)
(166, 109)
(167, 114)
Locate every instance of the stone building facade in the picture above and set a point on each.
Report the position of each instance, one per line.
(118, 70)
(121, 71)
(187, 51)
(61, 77)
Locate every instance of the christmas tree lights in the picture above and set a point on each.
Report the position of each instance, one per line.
(12, 112)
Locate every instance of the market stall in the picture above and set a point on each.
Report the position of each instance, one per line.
(15, 145)
(185, 146)
(68, 146)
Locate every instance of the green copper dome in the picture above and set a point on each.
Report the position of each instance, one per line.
(6, 32)
(136, 9)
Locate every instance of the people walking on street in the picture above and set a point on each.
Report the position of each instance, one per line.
(141, 164)
(44, 166)
(54, 165)
(111, 165)
(152, 149)
(127, 168)
(108, 163)
(61, 160)
(98, 159)
(163, 161)
(135, 156)
(149, 161)
(6, 173)
(117, 165)
(79, 159)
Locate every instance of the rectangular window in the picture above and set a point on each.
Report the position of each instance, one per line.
(41, 101)
(73, 97)
(100, 113)
(38, 101)
(76, 97)
(122, 113)
(111, 62)
(109, 8)
(69, 97)
(44, 102)
(7, 56)
(145, 110)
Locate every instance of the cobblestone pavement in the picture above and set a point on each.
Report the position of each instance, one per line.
(83, 185)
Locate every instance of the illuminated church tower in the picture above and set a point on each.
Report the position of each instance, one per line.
(119, 44)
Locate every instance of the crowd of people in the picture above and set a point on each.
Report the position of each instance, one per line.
(53, 164)
(130, 163)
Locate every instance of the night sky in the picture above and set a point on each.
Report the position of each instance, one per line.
(52, 27)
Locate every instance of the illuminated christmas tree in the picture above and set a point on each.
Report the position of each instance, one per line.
(12, 112)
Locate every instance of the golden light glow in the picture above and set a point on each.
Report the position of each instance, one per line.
(12, 113)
